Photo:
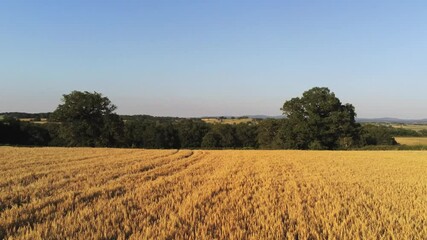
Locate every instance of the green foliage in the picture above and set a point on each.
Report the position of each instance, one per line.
(134, 132)
(18, 115)
(423, 133)
(221, 136)
(191, 132)
(402, 132)
(157, 135)
(211, 140)
(293, 136)
(268, 134)
(377, 135)
(10, 131)
(246, 135)
(13, 132)
(54, 133)
(87, 119)
(316, 145)
(318, 120)
(150, 132)
(35, 135)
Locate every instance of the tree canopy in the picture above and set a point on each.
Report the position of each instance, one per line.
(318, 120)
(88, 119)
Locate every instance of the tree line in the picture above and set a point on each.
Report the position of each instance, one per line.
(316, 120)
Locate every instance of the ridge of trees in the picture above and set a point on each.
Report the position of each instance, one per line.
(316, 120)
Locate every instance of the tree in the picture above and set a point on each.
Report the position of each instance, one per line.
(377, 135)
(292, 136)
(10, 131)
(191, 132)
(246, 134)
(211, 140)
(88, 119)
(227, 133)
(220, 136)
(318, 120)
(268, 134)
(134, 131)
(151, 133)
(35, 134)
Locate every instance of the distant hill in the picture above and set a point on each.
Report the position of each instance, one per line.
(360, 120)
(25, 115)
(266, 116)
(248, 116)
(391, 120)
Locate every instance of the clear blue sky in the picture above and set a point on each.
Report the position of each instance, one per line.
(196, 58)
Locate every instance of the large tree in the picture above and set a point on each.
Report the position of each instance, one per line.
(88, 119)
(318, 120)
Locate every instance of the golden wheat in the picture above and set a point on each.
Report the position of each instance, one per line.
(228, 120)
(412, 141)
(86, 193)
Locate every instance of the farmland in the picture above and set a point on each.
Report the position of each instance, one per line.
(415, 127)
(228, 120)
(412, 141)
(95, 193)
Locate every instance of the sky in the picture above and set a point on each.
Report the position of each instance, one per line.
(214, 58)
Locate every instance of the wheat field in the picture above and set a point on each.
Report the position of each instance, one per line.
(228, 120)
(412, 141)
(87, 193)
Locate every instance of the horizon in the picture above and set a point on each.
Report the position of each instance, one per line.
(236, 116)
(223, 58)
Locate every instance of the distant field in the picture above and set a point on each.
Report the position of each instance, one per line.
(415, 127)
(87, 193)
(227, 121)
(32, 120)
(412, 141)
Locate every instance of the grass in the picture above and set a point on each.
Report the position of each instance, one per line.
(89, 193)
(412, 141)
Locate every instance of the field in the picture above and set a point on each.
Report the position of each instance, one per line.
(411, 141)
(32, 120)
(228, 120)
(86, 193)
(415, 127)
